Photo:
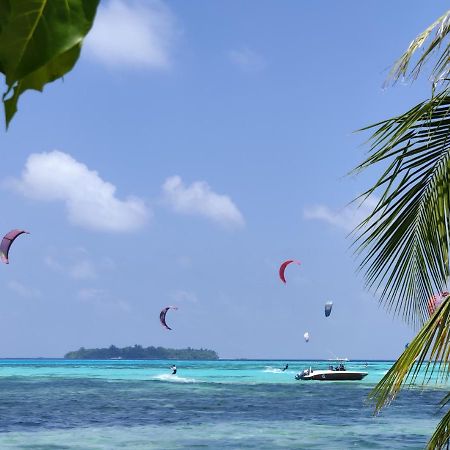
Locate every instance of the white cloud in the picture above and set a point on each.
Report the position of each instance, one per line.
(247, 60)
(102, 299)
(181, 296)
(132, 33)
(51, 262)
(346, 218)
(83, 270)
(90, 201)
(89, 294)
(199, 199)
(183, 261)
(22, 290)
(77, 264)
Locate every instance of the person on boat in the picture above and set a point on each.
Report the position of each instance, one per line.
(285, 367)
(341, 367)
(174, 369)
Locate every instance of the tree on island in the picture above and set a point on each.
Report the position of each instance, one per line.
(139, 352)
(404, 242)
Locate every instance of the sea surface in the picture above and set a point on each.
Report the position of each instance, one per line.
(62, 404)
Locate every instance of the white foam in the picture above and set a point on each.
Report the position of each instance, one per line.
(173, 378)
(269, 369)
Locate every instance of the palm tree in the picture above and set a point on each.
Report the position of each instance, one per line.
(404, 243)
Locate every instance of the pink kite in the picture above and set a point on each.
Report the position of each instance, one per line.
(435, 301)
(283, 268)
(7, 241)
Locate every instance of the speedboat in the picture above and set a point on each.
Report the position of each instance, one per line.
(338, 373)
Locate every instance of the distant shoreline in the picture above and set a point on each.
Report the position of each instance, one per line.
(172, 359)
(137, 352)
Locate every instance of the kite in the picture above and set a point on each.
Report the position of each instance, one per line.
(435, 301)
(162, 316)
(6, 243)
(328, 308)
(306, 336)
(283, 268)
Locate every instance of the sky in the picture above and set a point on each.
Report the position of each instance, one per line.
(194, 147)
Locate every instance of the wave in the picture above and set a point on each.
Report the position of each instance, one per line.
(174, 378)
(269, 369)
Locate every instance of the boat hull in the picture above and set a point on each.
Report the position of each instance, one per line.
(333, 375)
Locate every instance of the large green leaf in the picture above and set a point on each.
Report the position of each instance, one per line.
(405, 240)
(427, 354)
(40, 41)
(427, 357)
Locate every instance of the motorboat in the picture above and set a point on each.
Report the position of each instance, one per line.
(338, 373)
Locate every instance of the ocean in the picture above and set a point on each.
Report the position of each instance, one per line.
(64, 404)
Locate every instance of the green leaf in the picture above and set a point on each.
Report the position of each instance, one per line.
(405, 240)
(37, 79)
(441, 434)
(404, 243)
(427, 354)
(40, 41)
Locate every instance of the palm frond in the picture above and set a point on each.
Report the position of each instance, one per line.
(441, 434)
(428, 354)
(404, 242)
(441, 27)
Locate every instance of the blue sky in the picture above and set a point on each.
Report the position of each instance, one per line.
(195, 146)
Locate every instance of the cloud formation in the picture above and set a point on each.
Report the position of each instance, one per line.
(90, 201)
(180, 296)
(347, 218)
(198, 199)
(247, 60)
(101, 298)
(132, 33)
(22, 290)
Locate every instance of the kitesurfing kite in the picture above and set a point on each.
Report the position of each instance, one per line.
(306, 336)
(6, 243)
(162, 316)
(328, 308)
(435, 301)
(283, 268)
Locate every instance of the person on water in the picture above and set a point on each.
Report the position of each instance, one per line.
(174, 369)
(285, 367)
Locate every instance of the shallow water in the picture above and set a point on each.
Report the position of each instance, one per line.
(58, 404)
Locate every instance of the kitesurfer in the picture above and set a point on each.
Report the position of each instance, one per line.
(174, 369)
(285, 367)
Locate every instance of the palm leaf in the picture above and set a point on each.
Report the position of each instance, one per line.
(441, 28)
(427, 355)
(441, 434)
(404, 242)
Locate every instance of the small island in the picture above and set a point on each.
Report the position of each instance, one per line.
(139, 352)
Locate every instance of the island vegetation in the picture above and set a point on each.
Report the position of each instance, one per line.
(139, 352)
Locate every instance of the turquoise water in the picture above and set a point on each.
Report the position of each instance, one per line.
(59, 404)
